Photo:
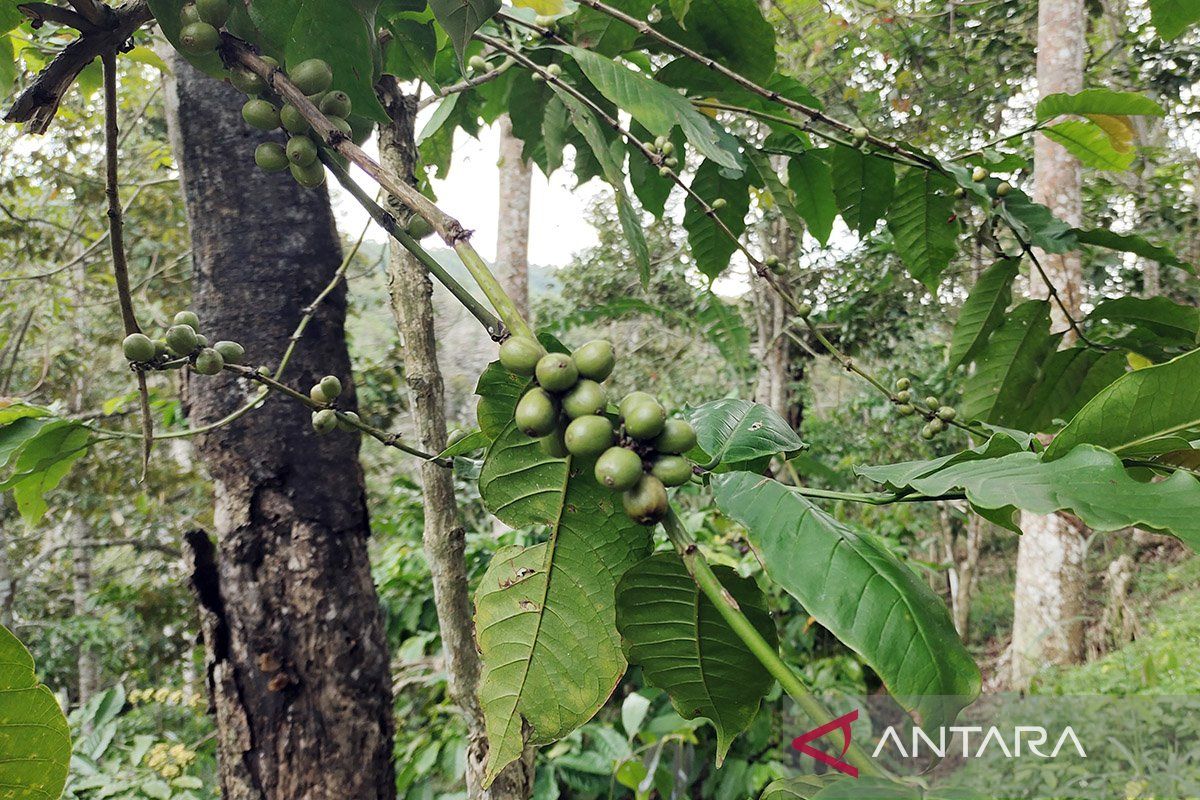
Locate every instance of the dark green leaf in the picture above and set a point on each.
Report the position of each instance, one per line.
(686, 647)
(901, 475)
(1009, 365)
(44, 460)
(1129, 244)
(1097, 101)
(471, 442)
(776, 193)
(812, 184)
(1173, 322)
(461, 18)
(852, 584)
(922, 222)
(732, 32)
(712, 247)
(863, 185)
(983, 311)
(1173, 17)
(1070, 378)
(1142, 413)
(735, 432)
(1036, 224)
(498, 390)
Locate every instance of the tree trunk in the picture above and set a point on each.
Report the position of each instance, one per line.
(512, 236)
(779, 367)
(1048, 599)
(298, 667)
(444, 537)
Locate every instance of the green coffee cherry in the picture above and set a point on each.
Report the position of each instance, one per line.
(478, 63)
(318, 396)
(589, 436)
(232, 352)
(214, 12)
(664, 172)
(554, 70)
(903, 383)
(928, 432)
(646, 502)
(418, 228)
(860, 134)
(554, 445)
(209, 362)
(312, 76)
(618, 469)
(138, 347)
(804, 310)
(201, 340)
(345, 420)
(937, 425)
(672, 162)
(188, 14)
(904, 396)
(181, 340)
(980, 174)
(595, 359)
(336, 104)
(331, 386)
(187, 318)
(341, 125)
(271, 157)
(198, 38)
(932, 402)
(301, 151)
(537, 413)
(946, 413)
(585, 398)
(455, 436)
(292, 120)
(906, 409)
(645, 420)
(667, 148)
(676, 438)
(309, 177)
(960, 192)
(632, 399)
(672, 470)
(261, 114)
(556, 372)
(324, 421)
(1003, 189)
(246, 81)
(718, 204)
(520, 355)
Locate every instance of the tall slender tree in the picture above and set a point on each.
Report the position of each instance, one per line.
(297, 658)
(512, 234)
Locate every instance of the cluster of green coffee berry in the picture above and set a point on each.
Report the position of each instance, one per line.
(325, 392)
(666, 148)
(639, 455)
(938, 415)
(181, 344)
(981, 174)
(200, 34)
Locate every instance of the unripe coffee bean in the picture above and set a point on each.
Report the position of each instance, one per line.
(585, 398)
(312, 76)
(309, 177)
(292, 120)
(260, 114)
(246, 81)
(331, 386)
(677, 437)
(324, 421)
(336, 104)
(209, 362)
(980, 174)
(618, 469)
(214, 12)
(181, 340)
(645, 420)
(198, 38)
(672, 470)
(595, 359)
(646, 502)
(554, 445)
(301, 151)
(271, 157)
(138, 347)
(232, 352)
(520, 355)
(589, 436)
(537, 413)
(556, 372)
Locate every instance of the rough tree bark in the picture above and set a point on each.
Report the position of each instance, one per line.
(298, 668)
(1048, 599)
(444, 537)
(512, 235)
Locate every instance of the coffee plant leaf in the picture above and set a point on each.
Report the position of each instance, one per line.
(37, 741)
(732, 433)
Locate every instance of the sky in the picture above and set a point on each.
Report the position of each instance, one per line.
(470, 193)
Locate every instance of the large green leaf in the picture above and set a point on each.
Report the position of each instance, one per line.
(863, 185)
(733, 433)
(1089, 482)
(1173, 17)
(1009, 365)
(732, 32)
(1088, 142)
(1069, 379)
(686, 647)
(811, 181)
(35, 742)
(922, 222)
(1128, 243)
(341, 33)
(852, 584)
(498, 390)
(461, 18)
(776, 193)
(1036, 223)
(1141, 413)
(983, 311)
(711, 247)
(545, 615)
(44, 459)
(655, 106)
(1174, 322)
(1097, 101)
(901, 475)
(799, 787)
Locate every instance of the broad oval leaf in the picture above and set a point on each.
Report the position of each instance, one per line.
(1008, 366)
(734, 432)
(1128, 243)
(1172, 17)
(863, 185)
(1089, 143)
(711, 247)
(36, 740)
(461, 18)
(923, 224)
(545, 616)
(686, 647)
(854, 586)
(1175, 323)
(1097, 101)
(811, 181)
(1089, 482)
(983, 311)
(1142, 413)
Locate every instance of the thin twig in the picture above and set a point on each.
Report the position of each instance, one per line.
(466, 85)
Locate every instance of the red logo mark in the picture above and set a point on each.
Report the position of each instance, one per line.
(842, 723)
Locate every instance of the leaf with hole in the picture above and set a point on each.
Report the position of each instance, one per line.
(735, 433)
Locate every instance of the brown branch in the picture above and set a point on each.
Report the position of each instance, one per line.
(42, 13)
